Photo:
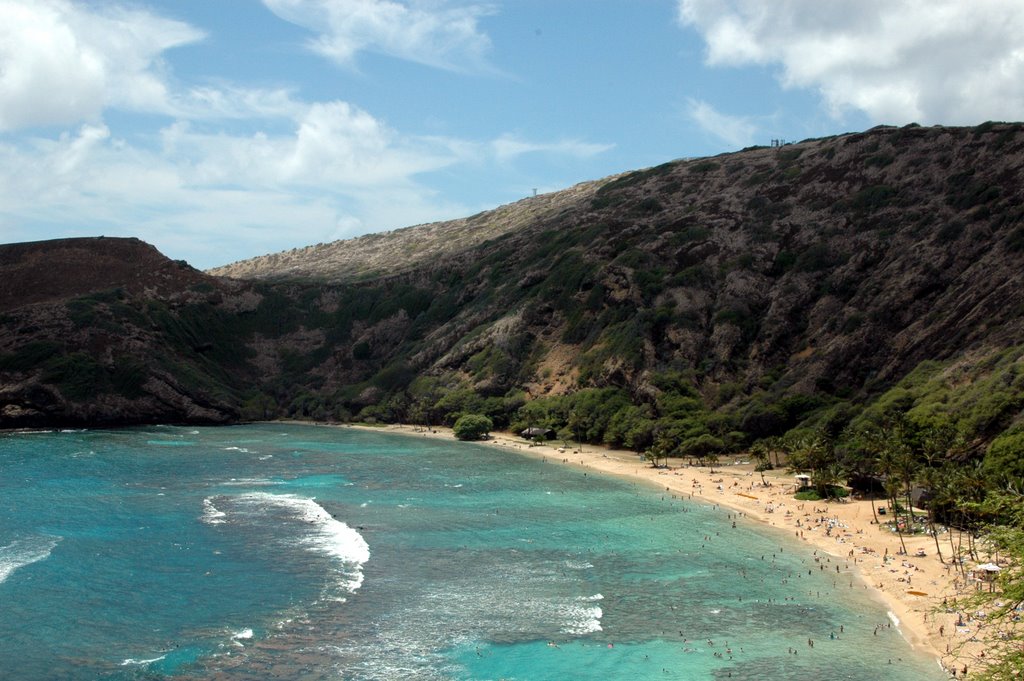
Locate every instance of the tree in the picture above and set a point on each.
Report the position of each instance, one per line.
(1006, 536)
(472, 427)
(1004, 459)
(703, 447)
(762, 454)
(939, 442)
(815, 454)
(632, 427)
(259, 407)
(892, 489)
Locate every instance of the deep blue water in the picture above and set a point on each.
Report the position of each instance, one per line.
(302, 552)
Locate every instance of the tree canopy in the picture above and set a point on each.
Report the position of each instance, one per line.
(472, 427)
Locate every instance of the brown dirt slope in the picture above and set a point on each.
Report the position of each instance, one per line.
(41, 271)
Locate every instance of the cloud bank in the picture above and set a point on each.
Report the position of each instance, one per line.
(431, 33)
(61, 63)
(897, 61)
(214, 166)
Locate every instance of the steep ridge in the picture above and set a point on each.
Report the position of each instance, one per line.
(403, 250)
(732, 298)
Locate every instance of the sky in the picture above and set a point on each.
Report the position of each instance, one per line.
(219, 130)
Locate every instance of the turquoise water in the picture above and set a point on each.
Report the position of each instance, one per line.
(299, 552)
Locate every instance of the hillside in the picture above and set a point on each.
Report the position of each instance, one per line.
(38, 272)
(404, 250)
(90, 334)
(709, 302)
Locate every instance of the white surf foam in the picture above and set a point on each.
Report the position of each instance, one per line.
(581, 619)
(327, 536)
(131, 661)
(211, 515)
(251, 482)
(241, 635)
(22, 552)
(578, 565)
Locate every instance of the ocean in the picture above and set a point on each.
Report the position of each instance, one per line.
(286, 551)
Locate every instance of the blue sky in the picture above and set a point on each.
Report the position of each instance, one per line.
(224, 129)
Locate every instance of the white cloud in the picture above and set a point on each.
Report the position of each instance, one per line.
(62, 64)
(337, 169)
(510, 147)
(232, 102)
(430, 32)
(222, 171)
(334, 147)
(736, 131)
(930, 61)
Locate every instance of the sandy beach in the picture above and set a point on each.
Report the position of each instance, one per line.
(919, 591)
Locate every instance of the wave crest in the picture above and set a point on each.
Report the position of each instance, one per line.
(22, 552)
(323, 534)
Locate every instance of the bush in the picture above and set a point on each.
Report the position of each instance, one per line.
(30, 356)
(811, 494)
(1005, 456)
(872, 198)
(473, 427)
(78, 375)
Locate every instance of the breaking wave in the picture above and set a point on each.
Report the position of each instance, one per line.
(22, 552)
(322, 533)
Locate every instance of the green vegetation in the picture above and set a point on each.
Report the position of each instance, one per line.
(872, 198)
(472, 427)
(702, 167)
(30, 356)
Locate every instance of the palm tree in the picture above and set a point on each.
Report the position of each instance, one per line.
(939, 496)
(940, 443)
(863, 452)
(775, 446)
(814, 454)
(906, 470)
(828, 478)
(892, 488)
(761, 454)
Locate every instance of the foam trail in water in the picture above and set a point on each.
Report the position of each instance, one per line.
(329, 536)
(133, 661)
(211, 515)
(22, 552)
(251, 482)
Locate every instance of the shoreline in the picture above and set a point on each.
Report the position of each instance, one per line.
(913, 587)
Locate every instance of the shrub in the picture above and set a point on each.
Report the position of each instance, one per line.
(1005, 456)
(704, 167)
(472, 427)
(872, 198)
(811, 494)
(1015, 242)
(30, 356)
(951, 231)
(648, 205)
(817, 257)
(77, 375)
